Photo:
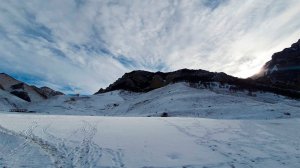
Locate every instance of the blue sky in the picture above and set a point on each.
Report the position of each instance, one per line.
(82, 45)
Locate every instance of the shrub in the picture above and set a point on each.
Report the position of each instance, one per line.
(164, 114)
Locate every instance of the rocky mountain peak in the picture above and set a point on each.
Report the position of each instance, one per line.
(47, 92)
(143, 81)
(25, 91)
(283, 69)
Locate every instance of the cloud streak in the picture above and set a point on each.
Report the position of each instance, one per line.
(83, 45)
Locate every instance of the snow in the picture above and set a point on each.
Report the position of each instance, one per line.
(92, 141)
(274, 69)
(209, 127)
(7, 81)
(8, 101)
(177, 100)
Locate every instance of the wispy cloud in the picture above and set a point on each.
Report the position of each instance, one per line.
(86, 45)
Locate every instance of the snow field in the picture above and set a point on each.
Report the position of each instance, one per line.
(134, 142)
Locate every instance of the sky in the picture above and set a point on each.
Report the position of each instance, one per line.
(79, 46)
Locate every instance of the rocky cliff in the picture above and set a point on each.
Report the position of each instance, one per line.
(283, 70)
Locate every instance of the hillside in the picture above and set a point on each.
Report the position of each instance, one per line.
(25, 91)
(283, 70)
(179, 99)
(144, 81)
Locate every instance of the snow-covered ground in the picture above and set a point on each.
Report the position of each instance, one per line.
(28, 140)
(209, 128)
(177, 100)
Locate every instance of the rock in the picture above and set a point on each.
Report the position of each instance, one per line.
(144, 81)
(283, 70)
(18, 86)
(157, 82)
(21, 94)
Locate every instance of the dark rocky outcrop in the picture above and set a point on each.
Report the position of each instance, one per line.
(283, 70)
(1, 87)
(18, 86)
(21, 94)
(144, 81)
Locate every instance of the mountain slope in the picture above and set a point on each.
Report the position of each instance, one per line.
(24, 91)
(9, 101)
(144, 81)
(283, 70)
(180, 99)
(47, 92)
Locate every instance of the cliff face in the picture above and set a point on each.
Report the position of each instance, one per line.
(143, 81)
(283, 70)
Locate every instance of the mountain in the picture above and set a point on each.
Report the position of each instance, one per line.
(283, 70)
(25, 91)
(144, 81)
(47, 92)
(280, 75)
(207, 100)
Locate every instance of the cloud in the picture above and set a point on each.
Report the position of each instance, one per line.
(82, 45)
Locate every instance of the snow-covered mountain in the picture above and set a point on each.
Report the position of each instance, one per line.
(144, 81)
(15, 94)
(47, 92)
(213, 100)
(24, 91)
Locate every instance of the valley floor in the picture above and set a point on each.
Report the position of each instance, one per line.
(29, 140)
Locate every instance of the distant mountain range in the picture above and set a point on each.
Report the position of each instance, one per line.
(24, 91)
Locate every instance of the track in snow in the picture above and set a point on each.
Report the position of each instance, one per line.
(63, 153)
(114, 142)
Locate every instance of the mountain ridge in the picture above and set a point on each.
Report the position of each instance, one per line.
(144, 81)
(280, 75)
(24, 91)
(283, 70)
